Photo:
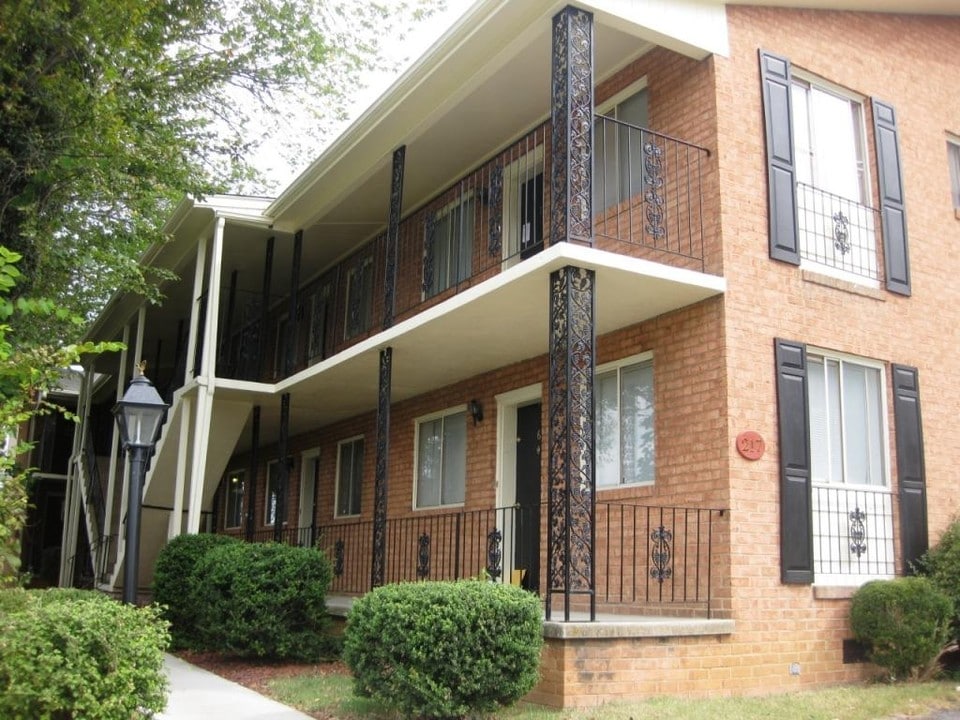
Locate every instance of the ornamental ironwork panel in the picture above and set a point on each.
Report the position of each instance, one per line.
(293, 312)
(423, 556)
(660, 554)
(494, 554)
(429, 225)
(572, 117)
(380, 479)
(653, 190)
(495, 241)
(393, 235)
(571, 435)
(339, 548)
(858, 532)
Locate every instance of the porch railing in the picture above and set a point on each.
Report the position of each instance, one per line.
(647, 201)
(649, 559)
(852, 533)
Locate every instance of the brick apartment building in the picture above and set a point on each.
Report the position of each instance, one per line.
(633, 304)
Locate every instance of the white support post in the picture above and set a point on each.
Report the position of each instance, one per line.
(207, 381)
(198, 272)
(176, 517)
(115, 439)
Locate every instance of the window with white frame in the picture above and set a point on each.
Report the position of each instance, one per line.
(272, 498)
(953, 157)
(852, 504)
(448, 246)
(359, 305)
(625, 447)
(441, 459)
(836, 225)
(523, 205)
(618, 148)
(349, 477)
(235, 491)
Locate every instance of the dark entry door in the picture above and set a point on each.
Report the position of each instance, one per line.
(531, 216)
(527, 550)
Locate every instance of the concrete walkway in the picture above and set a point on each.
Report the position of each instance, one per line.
(196, 694)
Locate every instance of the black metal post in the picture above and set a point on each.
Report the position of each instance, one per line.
(284, 467)
(393, 235)
(264, 306)
(131, 560)
(254, 466)
(380, 481)
(290, 341)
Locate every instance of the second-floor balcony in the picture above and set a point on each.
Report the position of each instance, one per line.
(648, 204)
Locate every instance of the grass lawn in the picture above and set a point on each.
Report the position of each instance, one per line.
(331, 696)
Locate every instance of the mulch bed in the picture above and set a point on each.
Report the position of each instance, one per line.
(256, 674)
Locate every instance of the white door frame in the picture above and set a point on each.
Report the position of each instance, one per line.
(506, 471)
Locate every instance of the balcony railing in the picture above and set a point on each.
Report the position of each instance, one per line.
(838, 234)
(649, 559)
(647, 203)
(852, 533)
(647, 193)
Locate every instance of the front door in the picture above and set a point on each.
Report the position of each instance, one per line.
(531, 216)
(527, 547)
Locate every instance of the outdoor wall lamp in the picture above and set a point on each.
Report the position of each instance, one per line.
(139, 417)
(476, 410)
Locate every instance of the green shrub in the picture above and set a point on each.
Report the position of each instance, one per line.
(442, 649)
(173, 579)
(263, 600)
(79, 655)
(905, 622)
(942, 565)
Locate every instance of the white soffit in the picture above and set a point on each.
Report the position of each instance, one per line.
(692, 27)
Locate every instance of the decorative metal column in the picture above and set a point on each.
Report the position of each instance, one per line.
(290, 341)
(571, 112)
(570, 409)
(570, 442)
(380, 481)
(283, 479)
(254, 466)
(393, 236)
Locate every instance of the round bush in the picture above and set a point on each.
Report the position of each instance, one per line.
(942, 565)
(263, 600)
(443, 649)
(905, 622)
(173, 579)
(66, 655)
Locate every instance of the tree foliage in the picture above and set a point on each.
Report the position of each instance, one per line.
(112, 110)
(27, 372)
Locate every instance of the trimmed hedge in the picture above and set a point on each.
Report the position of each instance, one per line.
(263, 600)
(175, 583)
(905, 622)
(79, 655)
(443, 649)
(942, 565)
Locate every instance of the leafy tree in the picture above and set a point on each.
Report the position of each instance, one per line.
(27, 372)
(112, 110)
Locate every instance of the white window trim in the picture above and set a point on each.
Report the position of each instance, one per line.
(823, 579)
(616, 365)
(523, 169)
(243, 499)
(617, 98)
(953, 158)
(416, 455)
(336, 482)
(462, 198)
(801, 76)
(884, 425)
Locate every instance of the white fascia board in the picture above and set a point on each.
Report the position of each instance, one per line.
(697, 28)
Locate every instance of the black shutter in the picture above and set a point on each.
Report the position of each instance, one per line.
(781, 171)
(893, 212)
(796, 521)
(910, 467)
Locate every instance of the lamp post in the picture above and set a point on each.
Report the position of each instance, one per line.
(139, 416)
